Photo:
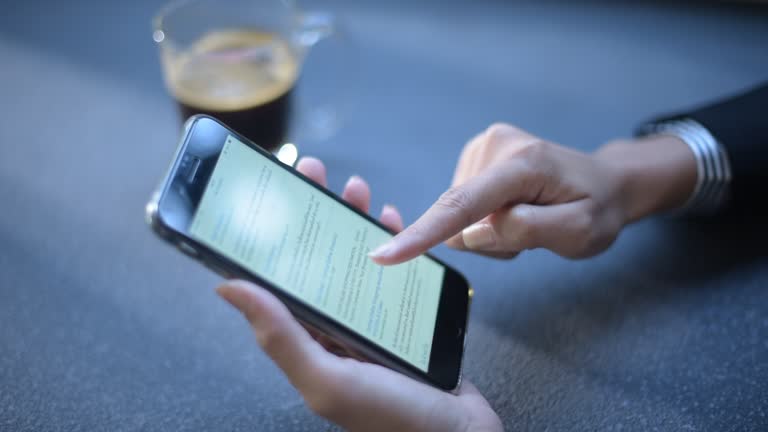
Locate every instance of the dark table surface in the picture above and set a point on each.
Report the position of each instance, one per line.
(103, 327)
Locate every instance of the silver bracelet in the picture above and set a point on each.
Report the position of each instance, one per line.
(713, 169)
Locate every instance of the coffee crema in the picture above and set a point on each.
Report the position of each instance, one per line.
(245, 78)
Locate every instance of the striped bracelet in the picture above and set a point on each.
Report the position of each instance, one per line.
(714, 170)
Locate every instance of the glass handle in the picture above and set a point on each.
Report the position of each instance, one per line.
(319, 34)
(314, 27)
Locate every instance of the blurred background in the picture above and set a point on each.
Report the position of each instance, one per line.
(104, 327)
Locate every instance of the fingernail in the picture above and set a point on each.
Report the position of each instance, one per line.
(388, 208)
(309, 159)
(234, 293)
(227, 293)
(354, 178)
(382, 251)
(478, 236)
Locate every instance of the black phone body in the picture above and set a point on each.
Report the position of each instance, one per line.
(244, 214)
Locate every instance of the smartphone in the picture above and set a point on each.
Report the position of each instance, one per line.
(240, 211)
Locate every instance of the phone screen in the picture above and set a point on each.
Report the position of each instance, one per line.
(295, 236)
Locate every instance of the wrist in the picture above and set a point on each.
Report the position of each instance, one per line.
(654, 174)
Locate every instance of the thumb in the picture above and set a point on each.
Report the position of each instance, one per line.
(566, 229)
(281, 337)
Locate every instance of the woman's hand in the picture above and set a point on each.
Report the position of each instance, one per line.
(513, 191)
(356, 395)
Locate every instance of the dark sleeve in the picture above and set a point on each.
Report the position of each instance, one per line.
(740, 124)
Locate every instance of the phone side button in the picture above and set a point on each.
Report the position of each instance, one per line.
(187, 249)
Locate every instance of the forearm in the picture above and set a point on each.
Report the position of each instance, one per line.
(655, 174)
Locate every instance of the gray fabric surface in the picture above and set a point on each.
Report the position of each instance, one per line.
(103, 327)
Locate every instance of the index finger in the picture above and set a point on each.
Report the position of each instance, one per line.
(458, 208)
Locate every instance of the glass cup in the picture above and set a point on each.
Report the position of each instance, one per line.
(240, 60)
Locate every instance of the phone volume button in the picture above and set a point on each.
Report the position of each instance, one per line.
(187, 249)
